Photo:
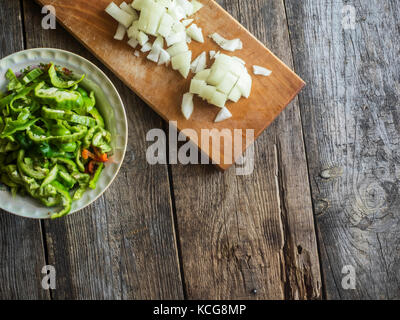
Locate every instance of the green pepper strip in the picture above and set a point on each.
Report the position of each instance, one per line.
(58, 139)
(14, 83)
(96, 176)
(66, 200)
(50, 177)
(66, 179)
(68, 116)
(32, 75)
(67, 162)
(29, 171)
(60, 83)
(96, 114)
(78, 161)
(61, 99)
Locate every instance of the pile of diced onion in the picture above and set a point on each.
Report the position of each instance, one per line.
(169, 23)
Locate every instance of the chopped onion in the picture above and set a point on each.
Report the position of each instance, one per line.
(142, 38)
(133, 43)
(199, 64)
(120, 33)
(155, 52)
(175, 38)
(202, 75)
(137, 53)
(165, 58)
(187, 22)
(195, 33)
(212, 54)
(196, 6)
(120, 15)
(187, 105)
(196, 86)
(257, 70)
(128, 9)
(138, 4)
(146, 47)
(188, 39)
(228, 45)
(181, 62)
(177, 48)
(223, 115)
(186, 5)
(165, 27)
(177, 12)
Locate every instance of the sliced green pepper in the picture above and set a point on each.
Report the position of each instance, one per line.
(32, 75)
(61, 99)
(65, 199)
(28, 170)
(96, 176)
(67, 116)
(60, 83)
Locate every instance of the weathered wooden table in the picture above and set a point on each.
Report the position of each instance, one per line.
(322, 204)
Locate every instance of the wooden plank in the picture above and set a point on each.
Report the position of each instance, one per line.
(21, 247)
(244, 233)
(123, 246)
(270, 95)
(351, 115)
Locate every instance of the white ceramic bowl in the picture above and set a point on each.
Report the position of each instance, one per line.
(108, 102)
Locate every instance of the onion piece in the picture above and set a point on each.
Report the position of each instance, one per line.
(177, 12)
(223, 115)
(165, 26)
(175, 38)
(196, 86)
(128, 9)
(196, 6)
(155, 52)
(187, 105)
(133, 43)
(146, 47)
(178, 48)
(187, 22)
(195, 33)
(137, 53)
(202, 75)
(120, 33)
(257, 70)
(120, 15)
(165, 58)
(181, 62)
(139, 4)
(133, 30)
(186, 5)
(228, 45)
(142, 38)
(200, 63)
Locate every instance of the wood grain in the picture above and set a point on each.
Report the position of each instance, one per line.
(88, 22)
(21, 247)
(252, 237)
(351, 113)
(123, 246)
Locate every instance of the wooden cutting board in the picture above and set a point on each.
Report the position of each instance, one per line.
(162, 88)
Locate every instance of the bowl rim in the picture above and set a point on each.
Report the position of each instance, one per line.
(125, 121)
